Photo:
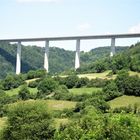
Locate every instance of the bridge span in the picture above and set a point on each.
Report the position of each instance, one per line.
(113, 38)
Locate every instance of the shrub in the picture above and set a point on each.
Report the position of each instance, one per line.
(71, 81)
(46, 86)
(29, 120)
(24, 93)
(110, 91)
(12, 81)
(33, 84)
(97, 82)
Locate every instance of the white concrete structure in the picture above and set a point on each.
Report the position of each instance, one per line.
(18, 62)
(112, 47)
(46, 56)
(77, 54)
(77, 38)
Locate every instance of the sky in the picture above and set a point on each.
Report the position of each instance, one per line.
(53, 18)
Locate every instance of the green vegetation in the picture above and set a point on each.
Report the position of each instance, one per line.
(129, 59)
(84, 90)
(60, 105)
(103, 75)
(60, 60)
(125, 101)
(58, 122)
(28, 121)
(2, 123)
(97, 106)
(15, 91)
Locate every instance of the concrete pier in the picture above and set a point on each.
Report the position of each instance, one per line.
(18, 61)
(77, 54)
(46, 56)
(112, 53)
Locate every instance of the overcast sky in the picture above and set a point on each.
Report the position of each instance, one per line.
(45, 18)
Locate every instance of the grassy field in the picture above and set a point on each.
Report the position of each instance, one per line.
(52, 105)
(2, 122)
(60, 105)
(58, 122)
(16, 90)
(131, 73)
(124, 101)
(104, 75)
(84, 90)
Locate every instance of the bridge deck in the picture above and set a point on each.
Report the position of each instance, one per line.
(73, 38)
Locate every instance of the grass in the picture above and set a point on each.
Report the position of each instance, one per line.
(80, 91)
(31, 80)
(16, 90)
(124, 101)
(2, 122)
(131, 73)
(60, 105)
(52, 105)
(58, 122)
(104, 75)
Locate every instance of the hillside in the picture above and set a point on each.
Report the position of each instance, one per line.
(59, 59)
(128, 59)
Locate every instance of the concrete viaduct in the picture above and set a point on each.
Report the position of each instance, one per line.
(113, 37)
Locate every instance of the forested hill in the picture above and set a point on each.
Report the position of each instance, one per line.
(33, 58)
(128, 59)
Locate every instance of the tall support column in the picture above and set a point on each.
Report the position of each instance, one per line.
(18, 62)
(46, 56)
(112, 47)
(77, 55)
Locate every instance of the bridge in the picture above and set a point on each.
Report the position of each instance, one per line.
(113, 37)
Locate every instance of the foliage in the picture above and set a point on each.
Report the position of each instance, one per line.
(36, 74)
(59, 59)
(129, 85)
(71, 81)
(133, 86)
(128, 59)
(47, 86)
(33, 84)
(111, 91)
(24, 93)
(12, 81)
(62, 93)
(92, 125)
(82, 82)
(28, 121)
(97, 82)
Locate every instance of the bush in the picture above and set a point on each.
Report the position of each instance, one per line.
(71, 81)
(121, 79)
(97, 82)
(82, 82)
(62, 93)
(129, 85)
(33, 84)
(110, 91)
(29, 120)
(126, 109)
(36, 74)
(12, 81)
(24, 93)
(133, 86)
(46, 86)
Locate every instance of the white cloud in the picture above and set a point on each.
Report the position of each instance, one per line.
(135, 29)
(30, 1)
(84, 27)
